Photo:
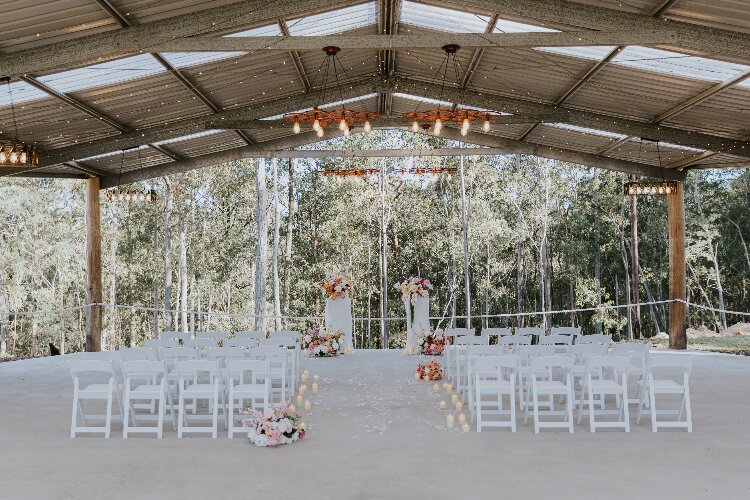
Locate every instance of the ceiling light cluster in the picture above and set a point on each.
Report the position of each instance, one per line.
(649, 188)
(131, 195)
(318, 118)
(13, 155)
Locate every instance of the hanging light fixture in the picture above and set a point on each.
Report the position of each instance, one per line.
(438, 117)
(15, 153)
(639, 188)
(321, 118)
(130, 195)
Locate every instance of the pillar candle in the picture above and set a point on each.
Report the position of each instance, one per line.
(459, 406)
(436, 387)
(462, 419)
(443, 405)
(292, 408)
(308, 405)
(465, 428)
(449, 421)
(302, 426)
(299, 400)
(302, 389)
(315, 388)
(316, 377)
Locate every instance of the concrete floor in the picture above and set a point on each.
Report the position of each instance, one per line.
(376, 433)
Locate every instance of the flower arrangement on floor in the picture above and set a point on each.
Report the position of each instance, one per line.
(337, 286)
(431, 343)
(274, 427)
(429, 371)
(318, 342)
(414, 287)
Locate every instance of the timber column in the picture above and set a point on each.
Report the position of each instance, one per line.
(677, 276)
(93, 267)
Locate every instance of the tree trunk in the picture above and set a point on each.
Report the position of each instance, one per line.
(182, 274)
(465, 233)
(167, 253)
(384, 325)
(487, 290)
(288, 247)
(520, 272)
(636, 285)
(719, 287)
(155, 293)
(598, 269)
(261, 248)
(275, 252)
(111, 337)
(626, 266)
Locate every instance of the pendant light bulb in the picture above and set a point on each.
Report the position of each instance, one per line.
(465, 126)
(415, 126)
(342, 125)
(347, 132)
(295, 127)
(320, 132)
(486, 126)
(367, 127)
(13, 157)
(24, 157)
(317, 127)
(438, 126)
(3, 157)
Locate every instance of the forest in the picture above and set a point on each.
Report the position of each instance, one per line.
(243, 246)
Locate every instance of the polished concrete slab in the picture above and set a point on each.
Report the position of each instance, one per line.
(377, 433)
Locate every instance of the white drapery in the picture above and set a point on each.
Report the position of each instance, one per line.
(338, 318)
(417, 323)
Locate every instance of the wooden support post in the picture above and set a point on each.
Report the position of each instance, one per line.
(93, 267)
(677, 276)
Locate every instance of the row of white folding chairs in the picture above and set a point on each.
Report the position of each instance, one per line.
(220, 336)
(108, 389)
(597, 375)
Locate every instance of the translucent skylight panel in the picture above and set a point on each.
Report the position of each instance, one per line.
(505, 26)
(673, 63)
(196, 135)
(104, 74)
(187, 59)
(442, 19)
(113, 153)
(336, 21)
(584, 130)
(595, 53)
(22, 92)
(426, 100)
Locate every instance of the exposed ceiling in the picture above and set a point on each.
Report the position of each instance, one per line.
(642, 86)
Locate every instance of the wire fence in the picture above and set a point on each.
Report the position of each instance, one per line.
(31, 332)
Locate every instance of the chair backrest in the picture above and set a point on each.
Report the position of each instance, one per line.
(280, 341)
(483, 350)
(582, 351)
(494, 367)
(161, 343)
(90, 371)
(544, 363)
(242, 342)
(291, 334)
(211, 335)
(454, 332)
(175, 354)
(535, 350)
(203, 343)
(138, 353)
(248, 371)
(471, 340)
(266, 352)
(224, 354)
(565, 330)
(515, 340)
(608, 364)
(598, 338)
(194, 369)
(174, 335)
(143, 370)
(556, 339)
(496, 332)
(249, 334)
(529, 330)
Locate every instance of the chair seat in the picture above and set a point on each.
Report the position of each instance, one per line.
(550, 384)
(604, 384)
(199, 390)
(249, 388)
(493, 384)
(94, 390)
(146, 389)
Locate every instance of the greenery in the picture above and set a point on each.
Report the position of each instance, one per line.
(543, 235)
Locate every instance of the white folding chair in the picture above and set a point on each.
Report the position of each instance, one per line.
(145, 380)
(544, 384)
(639, 355)
(137, 354)
(218, 336)
(470, 353)
(174, 335)
(250, 334)
(201, 343)
(598, 338)
(562, 342)
(93, 380)
(226, 354)
(496, 332)
(606, 375)
(290, 341)
(459, 359)
(515, 340)
(200, 379)
(290, 334)
(248, 380)
(161, 343)
(580, 353)
(668, 374)
(279, 359)
(524, 353)
(494, 376)
(573, 331)
(533, 331)
(242, 342)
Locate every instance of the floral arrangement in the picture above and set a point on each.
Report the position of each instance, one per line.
(337, 285)
(414, 287)
(430, 370)
(318, 342)
(274, 427)
(431, 343)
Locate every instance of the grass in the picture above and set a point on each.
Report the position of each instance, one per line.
(731, 345)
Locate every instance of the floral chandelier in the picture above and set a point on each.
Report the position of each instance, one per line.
(130, 195)
(437, 117)
(318, 118)
(15, 153)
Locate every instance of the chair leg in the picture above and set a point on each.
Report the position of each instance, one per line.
(478, 409)
(512, 397)
(688, 412)
(230, 428)
(108, 419)
(180, 415)
(652, 399)
(162, 411)
(569, 404)
(214, 402)
(536, 409)
(592, 424)
(625, 410)
(74, 416)
(126, 417)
